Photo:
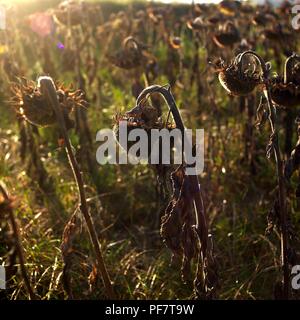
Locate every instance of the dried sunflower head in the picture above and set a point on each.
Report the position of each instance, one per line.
(69, 12)
(227, 36)
(196, 24)
(237, 80)
(214, 19)
(263, 18)
(130, 56)
(228, 7)
(285, 94)
(278, 34)
(285, 91)
(246, 8)
(32, 105)
(272, 35)
(145, 117)
(175, 42)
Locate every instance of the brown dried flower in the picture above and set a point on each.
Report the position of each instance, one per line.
(130, 56)
(31, 104)
(285, 91)
(236, 80)
(227, 36)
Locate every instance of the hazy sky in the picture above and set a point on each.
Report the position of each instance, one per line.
(188, 1)
(209, 1)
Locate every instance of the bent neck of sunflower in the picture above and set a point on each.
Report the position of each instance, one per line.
(201, 220)
(259, 59)
(168, 97)
(288, 67)
(131, 40)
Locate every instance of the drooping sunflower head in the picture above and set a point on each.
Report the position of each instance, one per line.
(146, 117)
(130, 56)
(238, 81)
(31, 104)
(69, 13)
(285, 94)
(227, 36)
(285, 90)
(228, 7)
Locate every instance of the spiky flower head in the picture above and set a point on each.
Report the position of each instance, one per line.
(31, 104)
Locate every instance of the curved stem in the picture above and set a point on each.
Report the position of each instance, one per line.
(262, 64)
(127, 41)
(48, 88)
(288, 67)
(201, 220)
(280, 169)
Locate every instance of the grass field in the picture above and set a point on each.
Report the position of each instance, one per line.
(82, 47)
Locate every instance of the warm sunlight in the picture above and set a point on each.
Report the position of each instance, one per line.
(149, 155)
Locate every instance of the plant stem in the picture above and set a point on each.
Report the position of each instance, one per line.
(18, 242)
(48, 88)
(201, 220)
(280, 169)
(282, 197)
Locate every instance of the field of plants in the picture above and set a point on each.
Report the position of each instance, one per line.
(71, 228)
